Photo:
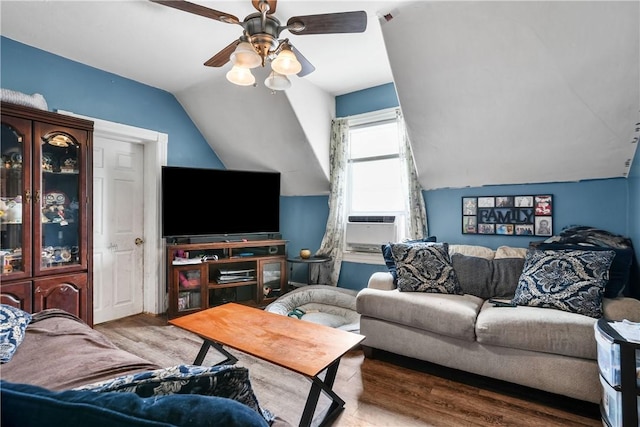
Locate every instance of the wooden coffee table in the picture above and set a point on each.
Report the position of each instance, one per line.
(303, 347)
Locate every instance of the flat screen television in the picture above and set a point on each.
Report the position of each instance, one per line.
(209, 202)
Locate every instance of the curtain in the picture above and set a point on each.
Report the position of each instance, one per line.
(416, 224)
(333, 241)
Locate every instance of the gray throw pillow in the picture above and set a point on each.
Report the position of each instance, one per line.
(568, 280)
(497, 278)
(424, 267)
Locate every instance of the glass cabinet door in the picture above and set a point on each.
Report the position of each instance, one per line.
(271, 279)
(58, 189)
(190, 285)
(15, 198)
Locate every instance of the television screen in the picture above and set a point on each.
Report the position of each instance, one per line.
(204, 202)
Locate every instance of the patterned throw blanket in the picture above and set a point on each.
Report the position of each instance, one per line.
(592, 236)
(53, 312)
(60, 352)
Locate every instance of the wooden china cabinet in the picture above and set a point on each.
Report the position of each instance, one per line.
(46, 234)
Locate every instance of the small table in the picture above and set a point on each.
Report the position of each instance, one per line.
(316, 259)
(307, 348)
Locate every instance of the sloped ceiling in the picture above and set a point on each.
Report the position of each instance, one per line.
(493, 92)
(247, 127)
(253, 129)
(517, 92)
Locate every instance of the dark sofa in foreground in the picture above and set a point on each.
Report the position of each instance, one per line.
(62, 372)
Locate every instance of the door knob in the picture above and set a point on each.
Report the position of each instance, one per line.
(139, 241)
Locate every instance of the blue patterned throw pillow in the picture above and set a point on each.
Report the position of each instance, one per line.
(423, 267)
(388, 255)
(13, 324)
(568, 280)
(227, 381)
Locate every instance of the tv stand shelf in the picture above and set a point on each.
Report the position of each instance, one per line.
(203, 275)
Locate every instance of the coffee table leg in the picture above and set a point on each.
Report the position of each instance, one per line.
(230, 358)
(317, 386)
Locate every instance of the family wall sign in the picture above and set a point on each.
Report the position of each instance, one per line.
(508, 215)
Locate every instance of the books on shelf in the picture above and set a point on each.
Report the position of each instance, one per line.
(235, 275)
(186, 261)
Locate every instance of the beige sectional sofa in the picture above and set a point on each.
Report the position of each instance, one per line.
(543, 348)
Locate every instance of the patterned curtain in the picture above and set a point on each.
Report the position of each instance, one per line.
(333, 241)
(416, 226)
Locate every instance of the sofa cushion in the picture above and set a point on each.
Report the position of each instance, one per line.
(388, 255)
(425, 267)
(223, 381)
(31, 406)
(486, 278)
(567, 280)
(509, 252)
(13, 324)
(472, 250)
(445, 314)
(537, 329)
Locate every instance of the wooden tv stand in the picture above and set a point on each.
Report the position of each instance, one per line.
(204, 275)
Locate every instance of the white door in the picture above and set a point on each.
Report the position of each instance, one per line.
(118, 230)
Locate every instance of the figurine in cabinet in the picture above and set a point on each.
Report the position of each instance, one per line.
(3, 208)
(13, 210)
(69, 165)
(54, 213)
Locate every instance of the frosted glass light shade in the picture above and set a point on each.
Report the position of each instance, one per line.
(241, 76)
(286, 63)
(245, 56)
(277, 81)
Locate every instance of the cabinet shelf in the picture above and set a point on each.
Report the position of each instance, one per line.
(264, 269)
(215, 285)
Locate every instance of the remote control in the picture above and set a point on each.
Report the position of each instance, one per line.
(497, 303)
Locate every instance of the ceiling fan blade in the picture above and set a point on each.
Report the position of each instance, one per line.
(199, 10)
(328, 23)
(307, 67)
(222, 57)
(272, 5)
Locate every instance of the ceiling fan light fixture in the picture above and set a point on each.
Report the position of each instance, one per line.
(241, 76)
(286, 63)
(277, 81)
(245, 56)
(60, 141)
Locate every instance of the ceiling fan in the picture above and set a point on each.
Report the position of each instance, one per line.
(260, 41)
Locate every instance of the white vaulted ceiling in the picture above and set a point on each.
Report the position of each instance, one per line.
(493, 92)
(518, 92)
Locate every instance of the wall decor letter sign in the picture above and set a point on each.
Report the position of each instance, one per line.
(508, 215)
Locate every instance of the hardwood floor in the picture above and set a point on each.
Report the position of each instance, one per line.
(386, 391)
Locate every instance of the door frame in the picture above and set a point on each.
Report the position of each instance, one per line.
(155, 156)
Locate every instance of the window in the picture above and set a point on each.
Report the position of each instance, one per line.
(375, 178)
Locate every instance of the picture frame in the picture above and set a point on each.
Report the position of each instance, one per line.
(508, 215)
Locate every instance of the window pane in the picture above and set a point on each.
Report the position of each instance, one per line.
(376, 186)
(376, 140)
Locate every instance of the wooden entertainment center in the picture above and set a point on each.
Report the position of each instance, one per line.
(204, 275)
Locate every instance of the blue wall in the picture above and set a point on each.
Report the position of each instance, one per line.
(75, 87)
(575, 203)
(364, 101)
(302, 222)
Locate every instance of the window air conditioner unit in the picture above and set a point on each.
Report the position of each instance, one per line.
(368, 233)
